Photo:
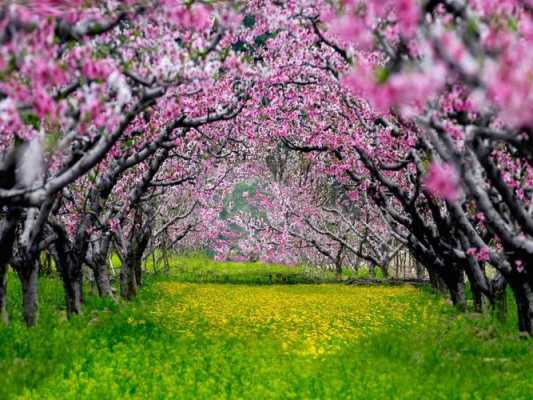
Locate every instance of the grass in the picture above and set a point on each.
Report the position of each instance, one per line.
(231, 330)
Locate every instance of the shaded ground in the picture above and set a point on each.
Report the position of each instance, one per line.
(190, 336)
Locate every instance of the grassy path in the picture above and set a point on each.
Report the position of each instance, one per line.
(187, 337)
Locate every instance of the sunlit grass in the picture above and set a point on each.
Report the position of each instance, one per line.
(210, 330)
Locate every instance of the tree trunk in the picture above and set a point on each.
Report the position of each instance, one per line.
(384, 267)
(523, 293)
(475, 275)
(419, 270)
(30, 300)
(103, 283)
(456, 286)
(69, 266)
(338, 264)
(3, 293)
(128, 283)
(457, 293)
(372, 270)
(73, 285)
(500, 303)
(99, 266)
(436, 281)
(478, 299)
(7, 240)
(139, 272)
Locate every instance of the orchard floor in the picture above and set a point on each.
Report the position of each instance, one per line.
(241, 331)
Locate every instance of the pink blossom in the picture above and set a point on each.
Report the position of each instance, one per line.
(408, 12)
(481, 255)
(351, 30)
(96, 70)
(442, 180)
(201, 16)
(197, 17)
(400, 89)
(510, 85)
(44, 104)
(114, 225)
(54, 8)
(519, 265)
(47, 73)
(472, 251)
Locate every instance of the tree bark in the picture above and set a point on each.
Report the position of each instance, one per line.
(139, 272)
(103, 283)
(100, 253)
(7, 240)
(70, 268)
(338, 264)
(500, 304)
(419, 270)
(456, 286)
(131, 273)
(478, 299)
(73, 285)
(30, 301)
(457, 292)
(128, 283)
(3, 293)
(523, 293)
(436, 281)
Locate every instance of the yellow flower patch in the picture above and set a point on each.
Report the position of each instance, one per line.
(305, 320)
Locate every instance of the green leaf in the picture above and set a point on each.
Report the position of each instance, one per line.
(263, 38)
(512, 23)
(249, 21)
(239, 46)
(50, 141)
(382, 75)
(31, 119)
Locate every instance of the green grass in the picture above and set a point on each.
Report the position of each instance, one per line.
(230, 330)
(201, 269)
